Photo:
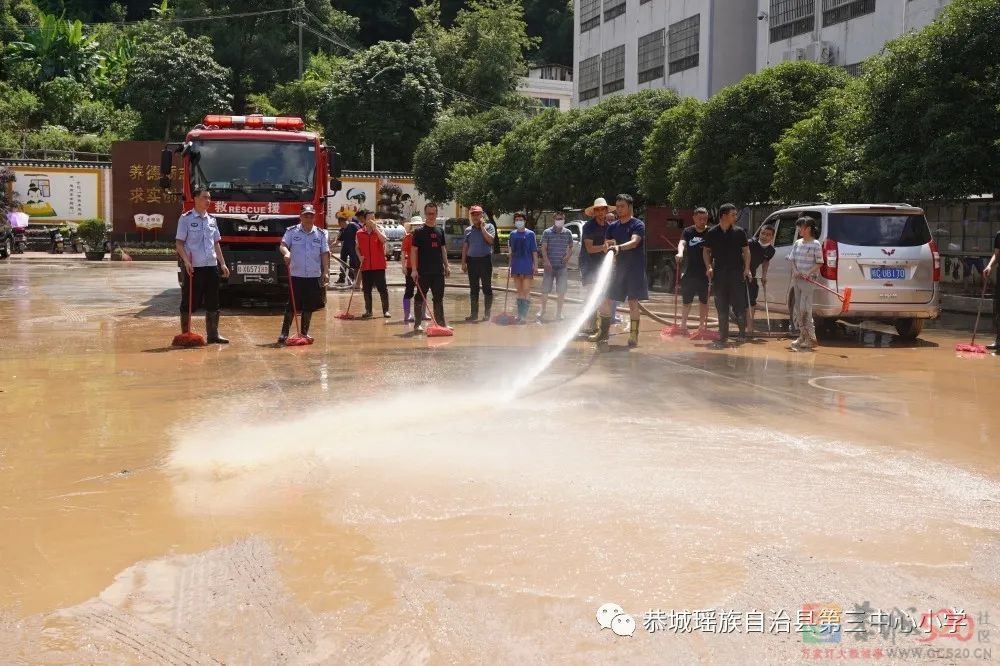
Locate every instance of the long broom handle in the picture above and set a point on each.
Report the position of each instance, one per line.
(979, 311)
(823, 286)
(295, 309)
(190, 288)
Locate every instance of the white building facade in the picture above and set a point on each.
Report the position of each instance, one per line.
(551, 86)
(695, 47)
(840, 33)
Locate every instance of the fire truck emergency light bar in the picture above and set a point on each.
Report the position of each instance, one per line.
(277, 122)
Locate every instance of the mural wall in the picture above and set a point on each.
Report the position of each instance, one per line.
(391, 196)
(56, 194)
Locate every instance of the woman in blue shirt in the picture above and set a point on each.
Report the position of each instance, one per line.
(523, 264)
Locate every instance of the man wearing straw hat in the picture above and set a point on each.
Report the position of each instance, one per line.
(477, 261)
(594, 245)
(626, 238)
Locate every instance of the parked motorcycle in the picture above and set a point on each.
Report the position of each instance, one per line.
(20, 241)
(58, 244)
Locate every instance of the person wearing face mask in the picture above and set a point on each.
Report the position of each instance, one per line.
(523, 264)
(557, 243)
(761, 253)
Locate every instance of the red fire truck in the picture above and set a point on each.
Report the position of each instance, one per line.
(260, 171)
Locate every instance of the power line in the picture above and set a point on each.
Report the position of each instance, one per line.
(187, 19)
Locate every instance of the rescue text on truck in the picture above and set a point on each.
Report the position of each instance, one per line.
(260, 171)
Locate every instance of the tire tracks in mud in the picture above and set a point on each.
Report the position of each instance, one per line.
(150, 643)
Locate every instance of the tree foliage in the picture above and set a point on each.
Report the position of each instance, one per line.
(730, 154)
(931, 117)
(670, 135)
(482, 56)
(402, 96)
(261, 51)
(174, 80)
(453, 140)
(596, 151)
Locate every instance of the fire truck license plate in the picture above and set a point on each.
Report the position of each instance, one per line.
(252, 269)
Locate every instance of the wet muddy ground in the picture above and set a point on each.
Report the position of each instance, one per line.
(372, 498)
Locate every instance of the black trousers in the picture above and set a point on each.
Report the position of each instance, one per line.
(205, 286)
(375, 280)
(729, 289)
(480, 273)
(433, 286)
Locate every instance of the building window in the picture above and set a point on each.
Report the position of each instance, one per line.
(684, 37)
(590, 78)
(613, 9)
(613, 69)
(857, 69)
(642, 2)
(590, 14)
(838, 11)
(791, 17)
(548, 102)
(652, 50)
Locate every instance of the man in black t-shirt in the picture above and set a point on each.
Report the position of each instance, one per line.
(727, 257)
(429, 259)
(694, 282)
(995, 347)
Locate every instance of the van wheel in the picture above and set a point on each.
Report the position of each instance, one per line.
(6, 249)
(909, 329)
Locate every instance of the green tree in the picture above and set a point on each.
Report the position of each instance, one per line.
(57, 47)
(482, 56)
(597, 151)
(302, 97)
(173, 81)
(388, 96)
(262, 51)
(506, 177)
(730, 154)
(452, 141)
(662, 147)
(551, 23)
(929, 121)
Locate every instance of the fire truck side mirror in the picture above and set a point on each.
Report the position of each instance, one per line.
(333, 159)
(166, 162)
(335, 185)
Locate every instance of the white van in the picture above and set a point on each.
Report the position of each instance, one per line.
(883, 252)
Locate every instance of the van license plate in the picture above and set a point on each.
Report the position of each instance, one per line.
(252, 269)
(885, 273)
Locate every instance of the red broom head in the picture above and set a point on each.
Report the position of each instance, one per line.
(847, 299)
(188, 340)
(345, 315)
(435, 331)
(504, 319)
(297, 340)
(674, 330)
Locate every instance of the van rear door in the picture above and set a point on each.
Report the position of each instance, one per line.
(883, 255)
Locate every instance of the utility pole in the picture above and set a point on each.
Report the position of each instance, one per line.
(300, 17)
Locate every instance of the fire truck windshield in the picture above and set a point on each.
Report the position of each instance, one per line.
(244, 170)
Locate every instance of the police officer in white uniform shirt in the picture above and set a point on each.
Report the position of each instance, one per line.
(197, 243)
(306, 250)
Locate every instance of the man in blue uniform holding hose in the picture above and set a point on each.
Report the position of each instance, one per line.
(627, 239)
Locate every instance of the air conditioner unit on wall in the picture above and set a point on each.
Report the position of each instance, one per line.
(824, 53)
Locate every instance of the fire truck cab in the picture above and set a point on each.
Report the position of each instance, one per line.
(260, 171)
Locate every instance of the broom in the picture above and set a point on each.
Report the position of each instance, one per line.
(435, 330)
(845, 298)
(505, 318)
(675, 328)
(298, 339)
(189, 339)
(354, 286)
(972, 346)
